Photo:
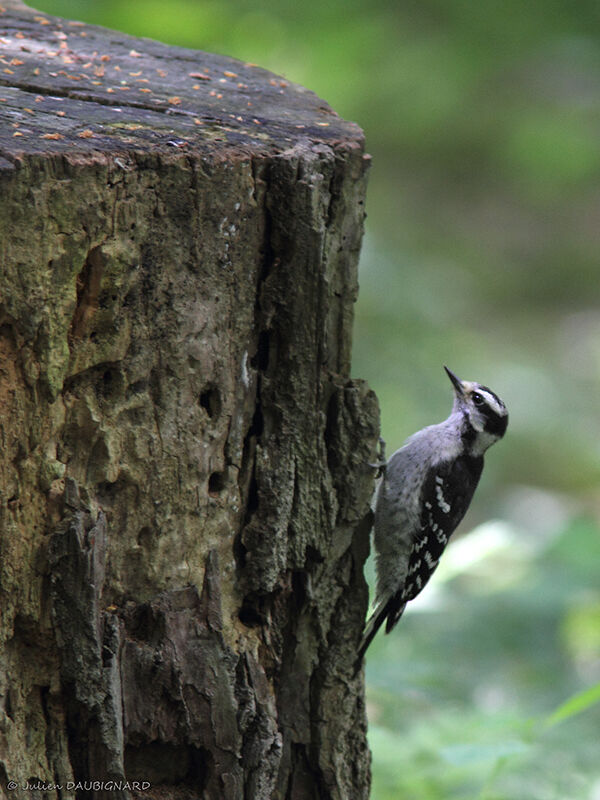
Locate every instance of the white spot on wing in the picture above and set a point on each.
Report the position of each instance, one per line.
(445, 507)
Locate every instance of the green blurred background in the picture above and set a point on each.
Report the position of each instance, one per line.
(481, 251)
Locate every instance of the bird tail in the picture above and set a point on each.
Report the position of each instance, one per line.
(391, 610)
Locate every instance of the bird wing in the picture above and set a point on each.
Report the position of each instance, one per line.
(409, 544)
(447, 493)
(395, 520)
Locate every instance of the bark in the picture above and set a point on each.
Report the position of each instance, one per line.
(184, 480)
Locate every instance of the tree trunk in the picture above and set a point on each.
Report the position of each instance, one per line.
(184, 480)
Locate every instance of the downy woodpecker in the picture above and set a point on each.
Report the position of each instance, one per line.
(426, 488)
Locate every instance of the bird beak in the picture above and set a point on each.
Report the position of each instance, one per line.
(458, 386)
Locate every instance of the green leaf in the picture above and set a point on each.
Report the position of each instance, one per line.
(575, 705)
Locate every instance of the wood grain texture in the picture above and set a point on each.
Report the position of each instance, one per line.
(184, 489)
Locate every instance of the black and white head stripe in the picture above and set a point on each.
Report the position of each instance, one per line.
(485, 409)
(491, 398)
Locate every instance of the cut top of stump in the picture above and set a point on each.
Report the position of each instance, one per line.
(72, 88)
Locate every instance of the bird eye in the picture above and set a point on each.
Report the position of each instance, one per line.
(477, 399)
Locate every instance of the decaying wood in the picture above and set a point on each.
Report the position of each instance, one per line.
(184, 480)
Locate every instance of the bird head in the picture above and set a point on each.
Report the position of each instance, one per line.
(483, 411)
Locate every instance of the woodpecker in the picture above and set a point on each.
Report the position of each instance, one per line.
(424, 493)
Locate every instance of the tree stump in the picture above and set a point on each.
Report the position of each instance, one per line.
(184, 479)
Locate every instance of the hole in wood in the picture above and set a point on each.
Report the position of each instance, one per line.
(216, 483)
(249, 615)
(88, 291)
(145, 537)
(260, 360)
(111, 382)
(8, 704)
(210, 401)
